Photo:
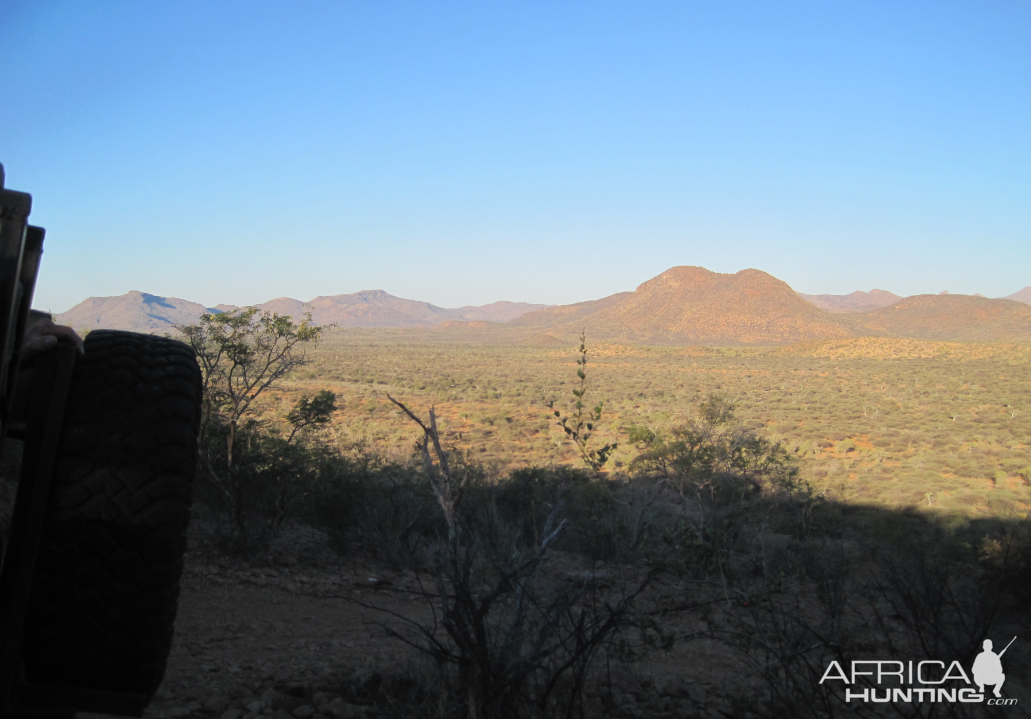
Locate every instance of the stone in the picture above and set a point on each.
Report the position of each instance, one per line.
(232, 714)
(294, 689)
(255, 706)
(696, 693)
(684, 708)
(176, 712)
(303, 712)
(271, 697)
(216, 703)
(335, 708)
(289, 703)
(321, 698)
(624, 680)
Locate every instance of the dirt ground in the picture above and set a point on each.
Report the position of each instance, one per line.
(294, 641)
(305, 639)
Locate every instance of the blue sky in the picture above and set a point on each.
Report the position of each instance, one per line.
(462, 153)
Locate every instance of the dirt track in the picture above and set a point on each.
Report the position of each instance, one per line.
(242, 630)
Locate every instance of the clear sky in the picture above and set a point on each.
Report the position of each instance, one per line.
(462, 153)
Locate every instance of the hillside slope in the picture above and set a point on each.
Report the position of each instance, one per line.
(567, 314)
(135, 311)
(963, 318)
(1023, 295)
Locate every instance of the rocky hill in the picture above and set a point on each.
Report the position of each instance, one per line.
(135, 311)
(691, 305)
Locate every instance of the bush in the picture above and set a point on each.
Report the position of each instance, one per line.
(382, 508)
(918, 590)
(271, 478)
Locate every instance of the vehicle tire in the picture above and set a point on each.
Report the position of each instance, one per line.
(106, 585)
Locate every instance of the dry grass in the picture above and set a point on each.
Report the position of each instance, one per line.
(952, 420)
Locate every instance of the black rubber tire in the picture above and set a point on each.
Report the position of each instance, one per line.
(106, 586)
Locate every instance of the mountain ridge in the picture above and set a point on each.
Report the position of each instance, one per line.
(684, 305)
(691, 305)
(853, 302)
(142, 312)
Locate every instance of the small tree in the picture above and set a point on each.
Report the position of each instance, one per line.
(242, 353)
(714, 445)
(579, 427)
(311, 413)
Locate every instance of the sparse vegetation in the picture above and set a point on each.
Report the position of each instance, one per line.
(736, 511)
(871, 420)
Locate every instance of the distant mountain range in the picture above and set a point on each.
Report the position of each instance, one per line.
(684, 305)
(142, 312)
(855, 302)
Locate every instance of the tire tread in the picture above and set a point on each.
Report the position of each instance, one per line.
(106, 586)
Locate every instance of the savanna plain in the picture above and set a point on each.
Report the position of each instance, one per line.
(890, 422)
(702, 537)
